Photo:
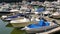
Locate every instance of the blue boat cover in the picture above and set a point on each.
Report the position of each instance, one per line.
(47, 23)
(40, 24)
(19, 15)
(12, 17)
(40, 9)
(15, 16)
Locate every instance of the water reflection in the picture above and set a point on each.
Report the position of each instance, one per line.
(7, 28)
(4, 29)
(17, 31)
(9, 25)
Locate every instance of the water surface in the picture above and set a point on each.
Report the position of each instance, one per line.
(6, 28)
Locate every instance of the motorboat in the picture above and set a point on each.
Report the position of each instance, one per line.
(24, 7)
(58, 7)
(8, 8)
(16, 16)
(49, 8)
(49, 4)
(9, 18)
(46, 13)
(24, 2)
(46, 2)
(23, 22)
(20, 22)
(5, 11)
(36, 3)
(55, 15)
(40, 27)
(3, 16)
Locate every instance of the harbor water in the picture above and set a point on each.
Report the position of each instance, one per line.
(38, 15)
(6, 28)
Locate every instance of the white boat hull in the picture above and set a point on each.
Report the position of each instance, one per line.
(40, 30)
(22, 24)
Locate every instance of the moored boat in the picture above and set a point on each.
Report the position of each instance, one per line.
(55, 15)
(9, 18)
(20, 22)
(40, 27)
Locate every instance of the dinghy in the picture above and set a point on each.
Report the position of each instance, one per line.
(40, 27)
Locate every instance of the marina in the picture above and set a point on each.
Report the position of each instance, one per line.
(30, 17)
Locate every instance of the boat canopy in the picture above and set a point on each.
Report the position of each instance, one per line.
(41, 23)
